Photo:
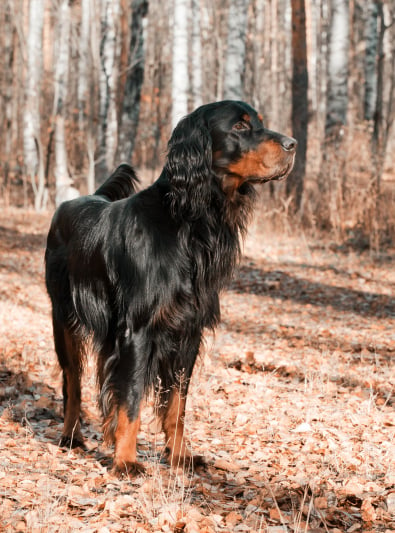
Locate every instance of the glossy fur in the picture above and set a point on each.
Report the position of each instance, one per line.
(138, 274)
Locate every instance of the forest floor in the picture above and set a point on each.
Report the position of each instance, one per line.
(292, 403)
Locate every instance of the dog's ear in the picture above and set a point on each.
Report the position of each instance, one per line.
(188, 166)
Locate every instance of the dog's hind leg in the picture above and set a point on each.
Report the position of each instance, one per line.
(69, 349)
(121, 389)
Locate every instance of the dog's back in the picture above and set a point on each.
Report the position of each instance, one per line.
(68, 236)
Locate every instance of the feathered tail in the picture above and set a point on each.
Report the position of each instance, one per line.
(121, 184)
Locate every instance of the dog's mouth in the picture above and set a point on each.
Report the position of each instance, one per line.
(278, 175)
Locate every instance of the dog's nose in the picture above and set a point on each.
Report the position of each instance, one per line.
(289, 144)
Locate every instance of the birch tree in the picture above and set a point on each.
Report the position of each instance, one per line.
(339, 43)
(196, 56)
(84, 61)
(384, 111)
(332, 178)
(109, 73)
(236, 50)
(134, 81)
(180, 81)
(64, 189)
(33, 154)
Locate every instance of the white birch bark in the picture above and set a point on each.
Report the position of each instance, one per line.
(235, 53)
(196, 56)
(274, 68)
(180, 81)
(31, 124)
(258, 44)
(83, 63)
(339, 43)
(64, 189)
(109, 74)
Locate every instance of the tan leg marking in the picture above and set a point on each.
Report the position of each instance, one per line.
(125, 462)
(173, 426)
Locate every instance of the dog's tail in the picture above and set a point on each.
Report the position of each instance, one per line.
(121, 184)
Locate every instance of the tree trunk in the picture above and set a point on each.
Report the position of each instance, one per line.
(64, 189)
(180, 83)
(339, 43)
(294, 185)
(259, 54)
(236, 50)
(109, 53)
(274, 67)
(31, 127)
(196, 56)
(370, 60)
(84, 62)
(332, 177)
(134, 81)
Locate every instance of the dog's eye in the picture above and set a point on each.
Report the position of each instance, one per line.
(241, 125)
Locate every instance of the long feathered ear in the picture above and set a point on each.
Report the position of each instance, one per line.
(188, 167)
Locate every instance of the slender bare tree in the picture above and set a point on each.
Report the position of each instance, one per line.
(180, 83)
(196, 56)
(294, 186)
(33, 154)
(64, 188)
(337, 91)
(109, 77)
(236, 50)
(332, 177)
(134, 80)
(370, 59)
(84, 61)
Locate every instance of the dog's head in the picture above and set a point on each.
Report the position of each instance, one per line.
(226, 141)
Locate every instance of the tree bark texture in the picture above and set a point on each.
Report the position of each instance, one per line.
(31, 128)
(134, 81)
(371, 38)
(180, 83)
(294, 184)
(339, 43)
(108, 82)
(236, 50)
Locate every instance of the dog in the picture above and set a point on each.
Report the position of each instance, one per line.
(138, 274)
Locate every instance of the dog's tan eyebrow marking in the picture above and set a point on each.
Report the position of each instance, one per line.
(260, 117)
(246, 117)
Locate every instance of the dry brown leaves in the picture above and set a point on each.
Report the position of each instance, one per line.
(292, 404)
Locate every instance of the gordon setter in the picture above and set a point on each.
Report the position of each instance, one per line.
(136, 276)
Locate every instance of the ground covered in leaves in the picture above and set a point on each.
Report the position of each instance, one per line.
(292, 403)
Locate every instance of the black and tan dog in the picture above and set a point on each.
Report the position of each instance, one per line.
(139, 273)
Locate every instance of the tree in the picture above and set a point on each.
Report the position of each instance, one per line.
(370, 60)
(294, 185)
(108, 83)
(33, 153)
(64, 188)
(337, 92)
(134, 80)
(180, 81)
(332, 178)
(196, 56)
(236, 50)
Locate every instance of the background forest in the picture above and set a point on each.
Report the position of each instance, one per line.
(87, 84)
